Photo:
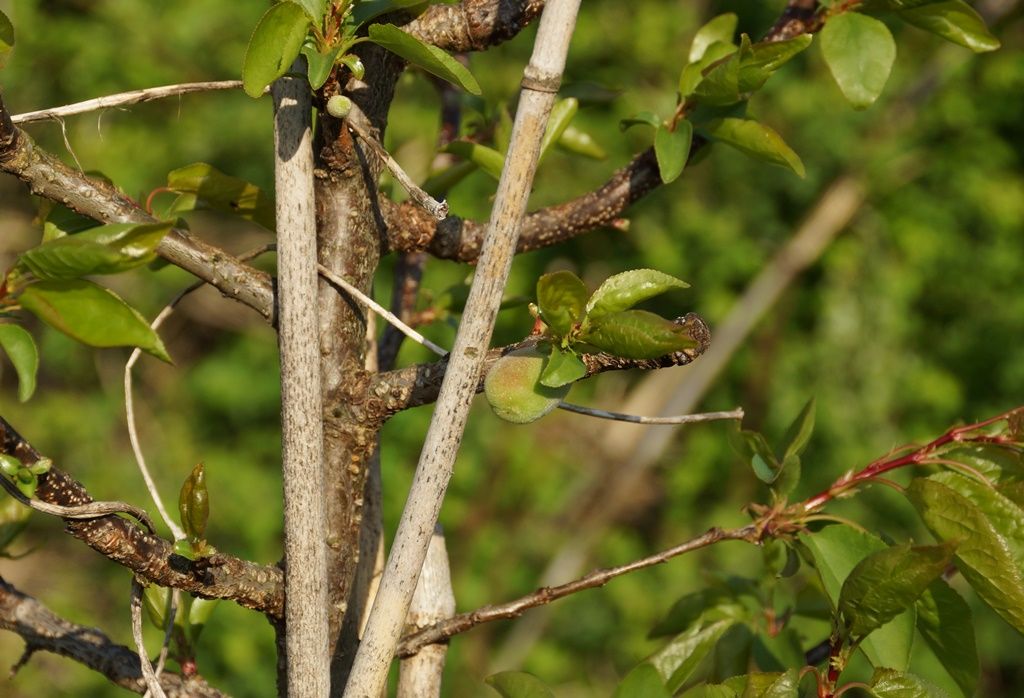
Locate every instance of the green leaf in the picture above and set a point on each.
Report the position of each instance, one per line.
(886, 583)
(953, 20)
(711, 604)
(836, 550)
(314, 8)
(6, 39)
(859, 52)
(637, 334)
(993, 461)
(562, 113)
(518, 684)
(767, 685)
(720, 29)
(676, 661)
(320, 64)
(430, 58)
(487, 159)
(203, 186)
(274, 46)
(582, 143)
(705, 690)
(91, 314)
(799, 432)
(720, 85)
(366, 10)
(754, 449)
(643, 682)
(561, 297)
(154, 600)
(983, 556)
(13, 520)
(194, 504)
(672, 148)
(1006, 517)
(21, 350)
(945, 622)
(756, 140)
(643, 118)
(562, 368)
(889, 683)
(623, 291)
(693, 74)
(107, 249)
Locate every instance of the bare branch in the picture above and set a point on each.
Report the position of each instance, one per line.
(47, 176)
(413, 643)
(42, 630)
(124, 99)
(218, 576)
(420, 384)
(473, 25)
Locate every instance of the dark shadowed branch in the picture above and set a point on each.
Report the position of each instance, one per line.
(473, 25)
(152, 558)
(44, 631)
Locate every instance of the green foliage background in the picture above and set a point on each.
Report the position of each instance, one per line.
(912, 320)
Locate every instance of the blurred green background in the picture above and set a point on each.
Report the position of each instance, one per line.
(912, 319)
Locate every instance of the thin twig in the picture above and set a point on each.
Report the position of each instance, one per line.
(155, 689)
(380, 310)
(124, 99)
(438, 209)
(92, 510)
(640, 419)
(464, 621)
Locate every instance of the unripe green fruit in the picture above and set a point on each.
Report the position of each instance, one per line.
(513, 387)
(339, 106)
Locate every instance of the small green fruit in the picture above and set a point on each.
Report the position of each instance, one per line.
(513, 387)
(339, 106)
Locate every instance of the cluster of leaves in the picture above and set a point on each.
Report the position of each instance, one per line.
(576, 320)
(24, 477)
(740, 637)
(325, 33)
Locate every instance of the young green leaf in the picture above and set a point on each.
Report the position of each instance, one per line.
(623, 291)
(672, 148)
(107, 249)
(1006, 517)
(713, 603)
(314, 8)
(756, 140)
(562, 113)
(983, 556)
(760, 60)
(154, 600)
(693, 73)
(953, 20)
(637, 334)
(487, 159)
(274, 45)
(91, 314)
(6, 39)
(889, 683)
(886, 583)
(194, 504)
(859, 52)
(643, 118)
(320, 64)
(720, 29)
(769, 685)
(754, 449)
(561, 297)
(799, 432)
(642, 682)
(430, 58)
(836, 550)
(518, 684)
(582, 143)
(21, 350)
(945, 622)
(203, 186)
(562, 368)
(720, 85)
(679, 658)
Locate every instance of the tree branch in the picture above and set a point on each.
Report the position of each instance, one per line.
(218, 576)
(43, 630)
(473, 25)
(420, 384)
(440, 632)
(47, 176)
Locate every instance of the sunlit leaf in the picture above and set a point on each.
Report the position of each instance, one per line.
(430, 58)
(799, 432)
(21, 350)
(274, 46)
(320, 64)
(582, 143)
(314, 8)
(637, 334)
(859, 52)
(562, 113)
(203, 186)
(6, 39)
(756, 140)
(107, 249)
(720, 29)
(487, 159)
(889, 683)
(562, 368)
(643, 682)
(953, 20)
(1005, 515)
(561, 297)
(693, 73)
(643, 118)
(623, 291)
(672, 148)
(91, 314)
